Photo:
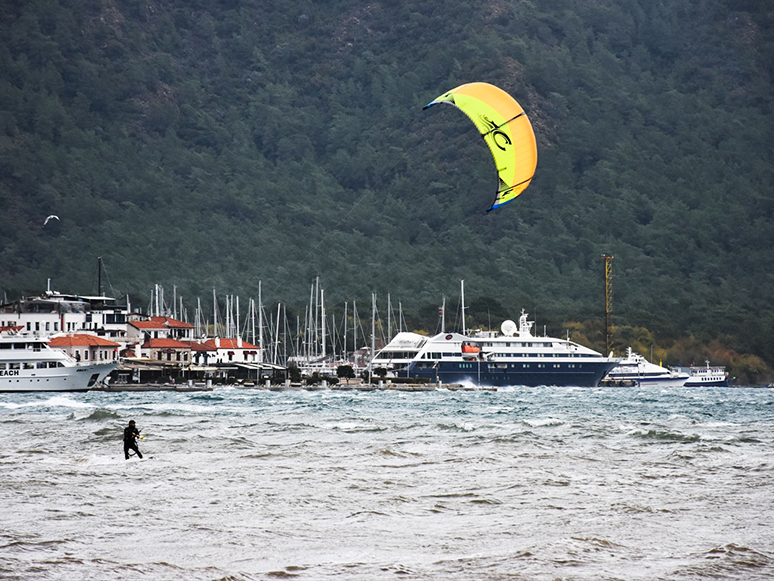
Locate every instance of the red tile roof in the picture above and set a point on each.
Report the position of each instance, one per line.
(198, 346)
(81, 341)
(228, 344)
(147, 325)
(172, 323)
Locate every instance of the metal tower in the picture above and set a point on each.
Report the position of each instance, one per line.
(608, 300)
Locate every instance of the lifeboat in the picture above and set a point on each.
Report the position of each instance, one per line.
(469, 351)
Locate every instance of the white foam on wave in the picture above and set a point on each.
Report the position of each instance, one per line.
(56, 401)
(100, 460)
(540, 422)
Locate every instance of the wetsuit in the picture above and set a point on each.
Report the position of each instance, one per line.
(130, 433)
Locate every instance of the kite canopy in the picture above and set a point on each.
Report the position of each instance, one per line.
(506, 130)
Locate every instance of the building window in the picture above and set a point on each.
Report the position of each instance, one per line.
(48, 326)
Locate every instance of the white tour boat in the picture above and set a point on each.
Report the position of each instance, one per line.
(638, 369)
(27, 363)
(708, 376)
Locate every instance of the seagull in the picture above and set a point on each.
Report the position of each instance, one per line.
(51, 216)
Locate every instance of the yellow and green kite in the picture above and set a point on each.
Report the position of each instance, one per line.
(506, 130)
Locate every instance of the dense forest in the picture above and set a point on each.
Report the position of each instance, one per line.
(213, 145)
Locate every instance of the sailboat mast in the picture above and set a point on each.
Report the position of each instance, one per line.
(322, 320)
(252, 319)
(310, 324)
(214, 314)
(333, 337)
(345, 331)
(260, 323)
(277, 334)
(443, 315)
(238, 328)
(198, 317)
(462, 299)
(373, 336)
(389, 313)
(354, 330)
(315, 314)
(99, 276)
(284, 335)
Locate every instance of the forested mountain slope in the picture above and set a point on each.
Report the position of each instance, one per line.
(216, 144)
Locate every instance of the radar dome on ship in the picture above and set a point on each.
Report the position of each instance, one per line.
(508, 328)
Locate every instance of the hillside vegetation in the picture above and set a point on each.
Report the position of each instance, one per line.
(215, 144)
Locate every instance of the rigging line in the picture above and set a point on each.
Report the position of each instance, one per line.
(514, 186)
(383, 273)
(110, 283)
(502, 124)
(344, 217)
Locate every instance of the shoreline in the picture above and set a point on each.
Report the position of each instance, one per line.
(359, 386)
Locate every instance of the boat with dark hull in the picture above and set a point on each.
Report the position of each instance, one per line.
(513, 357)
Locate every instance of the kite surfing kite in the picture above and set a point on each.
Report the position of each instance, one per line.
(506, 130)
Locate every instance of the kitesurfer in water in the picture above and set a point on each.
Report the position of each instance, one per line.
(131, 433)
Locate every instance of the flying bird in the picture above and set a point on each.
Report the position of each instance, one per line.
(51, 216)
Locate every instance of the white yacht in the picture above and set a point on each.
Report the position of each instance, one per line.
(27, 363)
(641, 371)
(512, 357)
(707, 376)
(398, 353)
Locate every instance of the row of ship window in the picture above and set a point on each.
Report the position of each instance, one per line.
(496, 366)
(33, 346)
(31, 365)
(520, 344)
(49, 326)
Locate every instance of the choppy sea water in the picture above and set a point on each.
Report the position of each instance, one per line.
(523, 484)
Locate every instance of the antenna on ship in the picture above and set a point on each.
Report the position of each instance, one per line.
(608, 299)
(99, 276)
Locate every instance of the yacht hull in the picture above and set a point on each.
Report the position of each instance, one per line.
(77, 378)
(514, 374)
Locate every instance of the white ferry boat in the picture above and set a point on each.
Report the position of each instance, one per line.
(27, 363)
(511, 358)
(638, 369)
(708, 376)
